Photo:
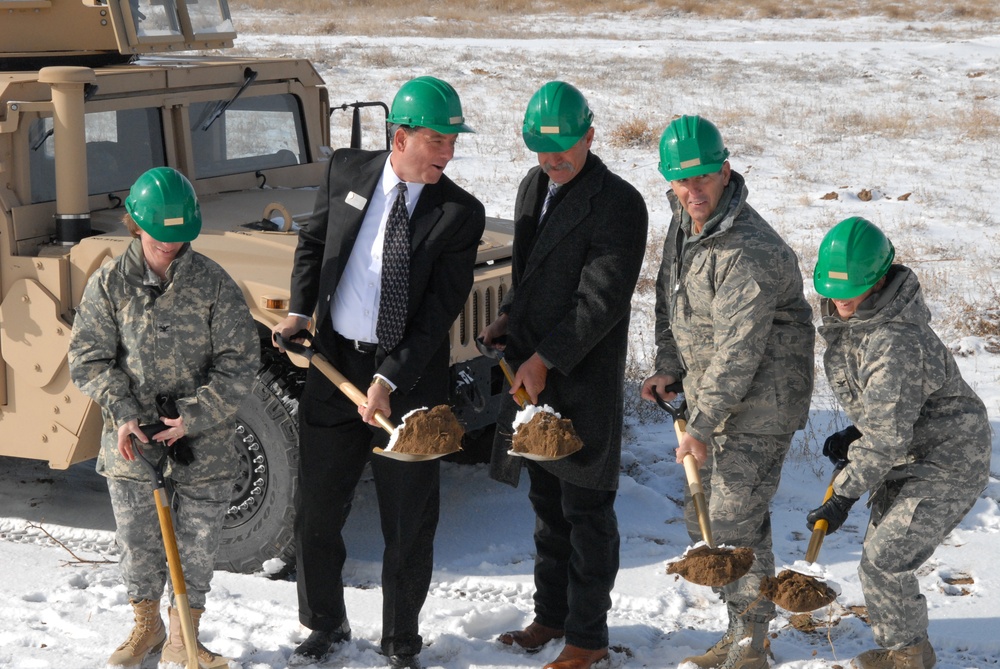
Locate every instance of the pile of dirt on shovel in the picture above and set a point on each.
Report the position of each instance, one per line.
(714, 567)
(544, 434)
(430, 432)
(797, 592)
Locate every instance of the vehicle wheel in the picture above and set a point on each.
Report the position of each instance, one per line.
(258, 525)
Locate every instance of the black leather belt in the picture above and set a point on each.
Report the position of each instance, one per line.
(360, 346)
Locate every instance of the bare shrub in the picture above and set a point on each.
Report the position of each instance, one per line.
(378, 58)
(980, 318)
(977, 122)
(646, 286)
(634, 133)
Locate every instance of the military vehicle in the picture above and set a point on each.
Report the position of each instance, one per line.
(92, 94)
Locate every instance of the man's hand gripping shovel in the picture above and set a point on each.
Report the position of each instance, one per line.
(690, 463)
(495, 351)
(704, 565)
(330, 372)
(353, 393)
(559, 428)
(170, 547)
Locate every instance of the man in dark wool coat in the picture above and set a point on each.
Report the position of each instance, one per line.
(579, 240)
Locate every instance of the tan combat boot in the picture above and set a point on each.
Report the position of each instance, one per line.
(920, 656)
(146, 637)
(175, 653)
(751, 648)
(714, 656)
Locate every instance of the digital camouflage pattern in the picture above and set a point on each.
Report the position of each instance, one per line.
(732, 321)
(925, 446)
(192, 338)
(198, 515)
(739, 484)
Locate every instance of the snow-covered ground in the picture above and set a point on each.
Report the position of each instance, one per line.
(808, 108)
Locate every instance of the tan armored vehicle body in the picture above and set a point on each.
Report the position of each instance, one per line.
(91, 96)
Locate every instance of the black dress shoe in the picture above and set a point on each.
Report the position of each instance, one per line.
(318, 644)
(405, 662)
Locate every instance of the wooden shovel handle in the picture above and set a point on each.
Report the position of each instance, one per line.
(695, 487)
(330, 372)
(521, 396)
(177, 576)
(348, 388)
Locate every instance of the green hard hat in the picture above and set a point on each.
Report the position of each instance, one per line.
(689, 147)
(163, 203)
(853, 256)
(428, 102)
(557, 117)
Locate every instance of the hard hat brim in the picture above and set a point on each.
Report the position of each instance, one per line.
(549, 143)
(688, 172)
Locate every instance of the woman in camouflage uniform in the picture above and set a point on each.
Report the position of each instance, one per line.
(162, 318)
(923, 445)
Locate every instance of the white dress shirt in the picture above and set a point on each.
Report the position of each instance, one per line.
(354, 305)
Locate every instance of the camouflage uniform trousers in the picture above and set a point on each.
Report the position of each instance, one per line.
(200, 510)
(740, 482)
(903, 531)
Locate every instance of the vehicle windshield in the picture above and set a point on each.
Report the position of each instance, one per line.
(254, 133)
(121, 145)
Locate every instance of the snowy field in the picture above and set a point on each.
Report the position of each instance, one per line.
(894, 121)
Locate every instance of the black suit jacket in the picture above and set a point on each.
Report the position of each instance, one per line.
(570, 300)
(445, 227)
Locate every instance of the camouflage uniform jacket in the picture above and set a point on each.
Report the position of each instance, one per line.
(731, 319)
(900, 386)
(193, 338)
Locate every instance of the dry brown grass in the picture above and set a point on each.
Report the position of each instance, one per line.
(635, 133)
(977, 121)
(480, 17)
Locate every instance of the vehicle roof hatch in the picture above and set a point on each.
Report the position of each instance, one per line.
(100, 31)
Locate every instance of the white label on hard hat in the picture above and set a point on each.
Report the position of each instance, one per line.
(456, 119)
(549, 130)
(839, 275)
(694, 162)
(167, 222)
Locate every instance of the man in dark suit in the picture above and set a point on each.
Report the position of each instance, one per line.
(388, 336)
(579, 240)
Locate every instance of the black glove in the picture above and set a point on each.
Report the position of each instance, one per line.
(834, 511)
(835, 446)
(180, 452)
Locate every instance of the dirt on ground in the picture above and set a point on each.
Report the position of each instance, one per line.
(797, 592)
(713, 567)
(430, 432)
(546, 435)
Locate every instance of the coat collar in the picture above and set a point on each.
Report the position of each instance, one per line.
(573, 209)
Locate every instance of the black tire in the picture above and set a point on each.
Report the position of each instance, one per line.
(258, 526)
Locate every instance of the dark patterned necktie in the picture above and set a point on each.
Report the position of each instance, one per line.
(553, 187)
(395, 274)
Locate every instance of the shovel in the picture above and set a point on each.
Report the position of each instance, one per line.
(522, 397)
(704, 565)
(797, 590)
(544, 425)
(820, 526)
(331, 372)
(170, 547)
(354, 394)
(690, 463)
